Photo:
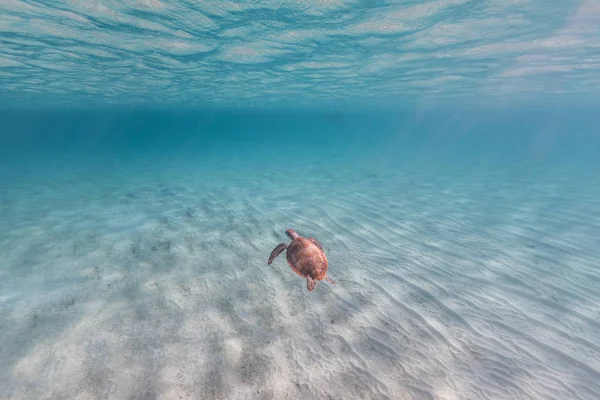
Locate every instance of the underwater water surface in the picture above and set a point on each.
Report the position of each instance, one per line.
(309, 53)
(444, 153)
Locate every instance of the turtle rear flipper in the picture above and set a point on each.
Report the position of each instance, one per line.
(328, 279)
(276, 251)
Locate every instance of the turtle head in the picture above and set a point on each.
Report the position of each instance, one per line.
(291, 234)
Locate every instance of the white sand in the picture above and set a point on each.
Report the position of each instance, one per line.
(153, 283)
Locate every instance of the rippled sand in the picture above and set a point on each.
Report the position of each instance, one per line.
(153, 283)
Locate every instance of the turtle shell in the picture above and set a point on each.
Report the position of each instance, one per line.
(306, 258)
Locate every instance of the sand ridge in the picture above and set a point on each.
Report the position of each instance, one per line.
(155, 285)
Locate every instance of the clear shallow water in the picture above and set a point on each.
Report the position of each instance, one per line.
(446, 154)
(464, 248)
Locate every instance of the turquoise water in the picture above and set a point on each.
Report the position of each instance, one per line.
(445, 154)
(158, 53)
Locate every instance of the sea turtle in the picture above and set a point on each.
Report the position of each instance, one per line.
(306, 257)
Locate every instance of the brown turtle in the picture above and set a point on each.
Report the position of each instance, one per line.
(306, 257)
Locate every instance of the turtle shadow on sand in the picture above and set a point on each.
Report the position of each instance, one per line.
(306, 258)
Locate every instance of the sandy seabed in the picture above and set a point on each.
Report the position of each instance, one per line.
(153, 283)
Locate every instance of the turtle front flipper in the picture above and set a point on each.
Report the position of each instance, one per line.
(315, 241)
(276, 251)
(310, 283)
